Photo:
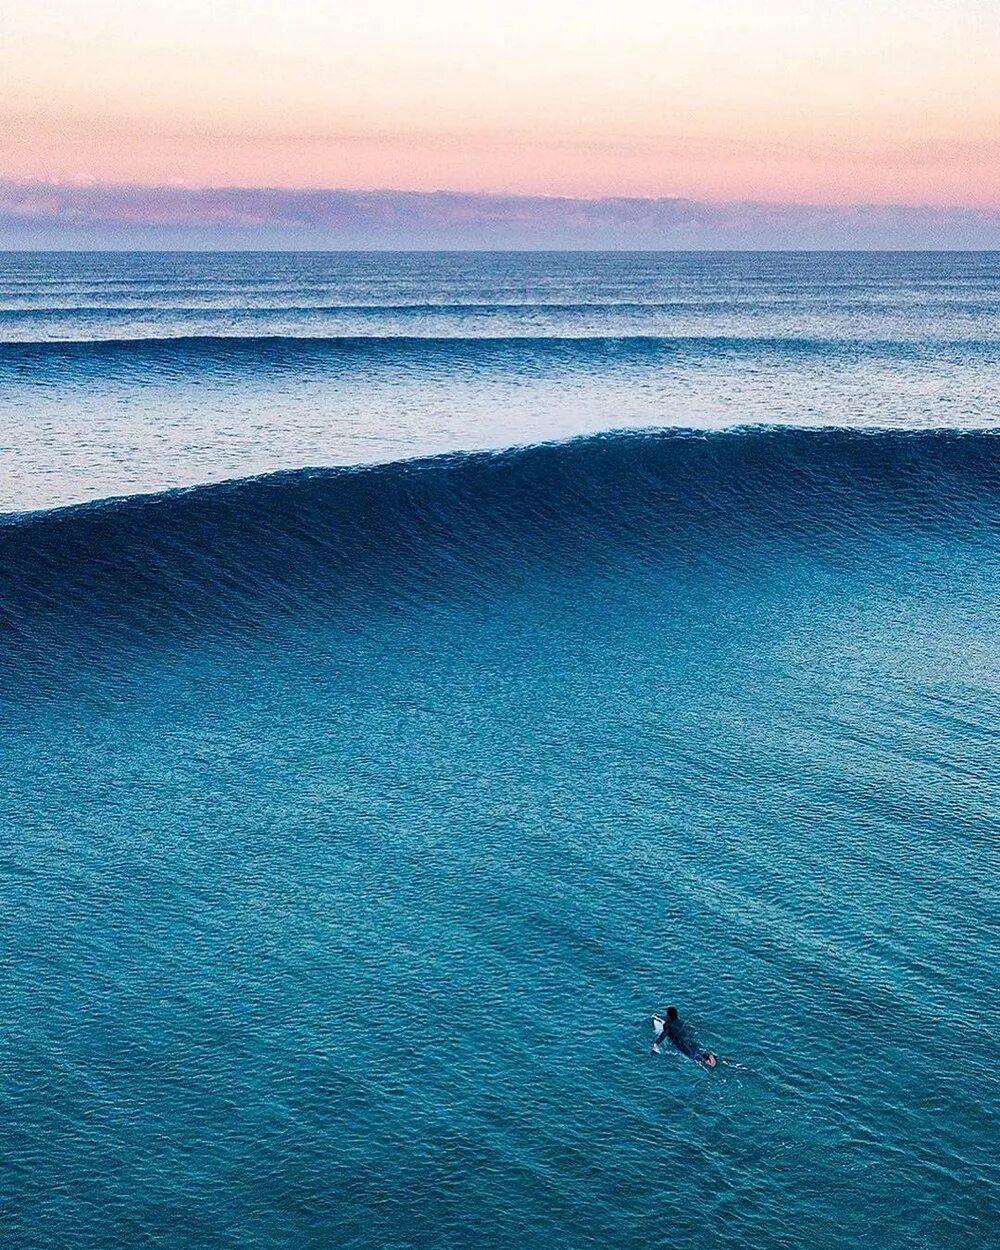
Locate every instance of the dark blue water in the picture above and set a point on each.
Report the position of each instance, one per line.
(357, 819)
(122, 373)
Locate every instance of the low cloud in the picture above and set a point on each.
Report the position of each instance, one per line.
(63, 215)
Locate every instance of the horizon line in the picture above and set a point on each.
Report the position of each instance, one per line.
(500, 251)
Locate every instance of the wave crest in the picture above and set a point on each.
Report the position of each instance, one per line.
(243, 554)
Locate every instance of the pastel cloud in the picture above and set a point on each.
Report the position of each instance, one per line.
(53, 215)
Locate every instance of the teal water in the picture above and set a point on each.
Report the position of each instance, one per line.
(354, 820)
(342, 883)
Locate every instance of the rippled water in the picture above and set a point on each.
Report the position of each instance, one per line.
(124, 373)
(357, 819)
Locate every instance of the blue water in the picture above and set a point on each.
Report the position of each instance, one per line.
(130, 373)
(358, 816)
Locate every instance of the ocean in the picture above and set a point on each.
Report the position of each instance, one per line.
(419, 669)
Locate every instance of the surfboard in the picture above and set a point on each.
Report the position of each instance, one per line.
(657, 1028)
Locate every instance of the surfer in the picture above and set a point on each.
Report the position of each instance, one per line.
(674, 1030)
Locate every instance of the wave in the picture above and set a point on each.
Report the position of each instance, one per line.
(102, 303)
(234, 352)
(249, 554)
(131, 303)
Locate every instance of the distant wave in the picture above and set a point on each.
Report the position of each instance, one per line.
(131, 303)
(246, 554)
(201, 303)
(237, 352)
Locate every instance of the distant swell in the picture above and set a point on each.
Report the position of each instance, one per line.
(245, 555)
(50, 360)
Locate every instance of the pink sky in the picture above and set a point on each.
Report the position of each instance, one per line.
(788, 100)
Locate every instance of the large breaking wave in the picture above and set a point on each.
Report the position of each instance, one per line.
(245, 554)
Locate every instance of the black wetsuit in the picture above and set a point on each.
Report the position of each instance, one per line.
(677, 1032)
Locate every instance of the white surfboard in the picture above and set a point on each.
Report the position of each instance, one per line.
(658, 1024)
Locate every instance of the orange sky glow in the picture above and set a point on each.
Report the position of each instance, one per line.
(792, 100)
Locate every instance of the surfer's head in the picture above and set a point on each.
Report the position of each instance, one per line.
(672, 1013)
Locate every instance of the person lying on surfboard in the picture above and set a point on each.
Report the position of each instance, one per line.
(674, 1030)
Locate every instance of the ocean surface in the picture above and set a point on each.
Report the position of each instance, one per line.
(131, 373)
(417, 670)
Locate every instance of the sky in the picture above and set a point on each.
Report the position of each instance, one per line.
(838, 102)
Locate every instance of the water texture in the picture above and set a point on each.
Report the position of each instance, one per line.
(357, 817)
(277, 361)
